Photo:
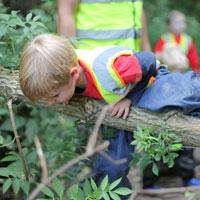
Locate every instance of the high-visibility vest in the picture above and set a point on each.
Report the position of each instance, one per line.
(107, 80)
(185, 40)
(109, 22)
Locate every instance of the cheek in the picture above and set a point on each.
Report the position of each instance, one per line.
(66, 96)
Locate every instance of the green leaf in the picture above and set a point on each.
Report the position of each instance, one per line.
(81, 194)
(6, 125)
(4, 17)
(87, 187)
(4, 172)
(28, 17)
(14, 12)
(13, 22)
(176, 147)
(172, 135)
(25, 187)
(157, 157)
(1, 138)
(104, 183)
(16, 186)
(31, 129)
(144, 163)
(165, 158)
(11, 172)
(114, 196)
(36, 18)
(41, 199)
(58, 187)
(9, 158)
(6, 185)
(47, 191)
(32, 158)
(170, 163)
(134, 142)
(74, 189)
(136, 155)
(155, 169)
(3, 30)
(123, 191)
(133, 162)
(105, 195)
(173, 155)
(94, 186)
(26, 31)
(114, 184)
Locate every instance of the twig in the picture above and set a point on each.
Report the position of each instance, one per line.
(168, 190)
(17, 138)
(65, 167)
(116, 162)
(81, 176)
(42, 158)
(133, 195)
(94, 135)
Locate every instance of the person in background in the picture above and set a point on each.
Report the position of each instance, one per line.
(177, 26)
(102, 23)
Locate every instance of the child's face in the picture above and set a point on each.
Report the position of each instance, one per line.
(62, 94)
(178, 24)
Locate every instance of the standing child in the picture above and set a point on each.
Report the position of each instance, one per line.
(50, 68)
(176, 35)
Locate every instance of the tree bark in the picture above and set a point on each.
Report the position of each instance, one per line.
(88, 109)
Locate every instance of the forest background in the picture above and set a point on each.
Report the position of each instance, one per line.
(58, 133)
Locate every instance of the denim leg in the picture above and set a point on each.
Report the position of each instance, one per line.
(119, 148)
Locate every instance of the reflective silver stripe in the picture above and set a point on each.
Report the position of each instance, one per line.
(101, 71)
(109, 34)
(138, 33)
(106, 1)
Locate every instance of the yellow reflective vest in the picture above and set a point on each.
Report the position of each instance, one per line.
(185, 40)
(109, 22)
(108, 82)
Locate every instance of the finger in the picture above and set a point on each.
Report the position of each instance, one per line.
(115, 110)
(120, 112)
(126, 113)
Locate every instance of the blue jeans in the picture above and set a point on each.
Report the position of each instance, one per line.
(119, 148)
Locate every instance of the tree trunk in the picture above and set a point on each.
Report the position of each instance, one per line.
(88, 109)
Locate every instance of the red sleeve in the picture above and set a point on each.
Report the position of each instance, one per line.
(159, 46)
(193, 57)
(128, 68)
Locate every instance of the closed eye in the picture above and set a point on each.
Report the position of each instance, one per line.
(54, 96)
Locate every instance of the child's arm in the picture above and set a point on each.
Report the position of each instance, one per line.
(145, 70)
(65, 18)
(137, 67)
(148, 64)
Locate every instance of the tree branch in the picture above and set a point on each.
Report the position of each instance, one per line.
(88, 109)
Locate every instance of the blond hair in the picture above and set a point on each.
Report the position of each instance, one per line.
(45, 65)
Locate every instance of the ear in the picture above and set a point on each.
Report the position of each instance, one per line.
(74, 72)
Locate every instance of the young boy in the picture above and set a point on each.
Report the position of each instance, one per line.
(50, 68)
(176, 35)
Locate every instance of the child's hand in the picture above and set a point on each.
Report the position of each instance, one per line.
(121, 108)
